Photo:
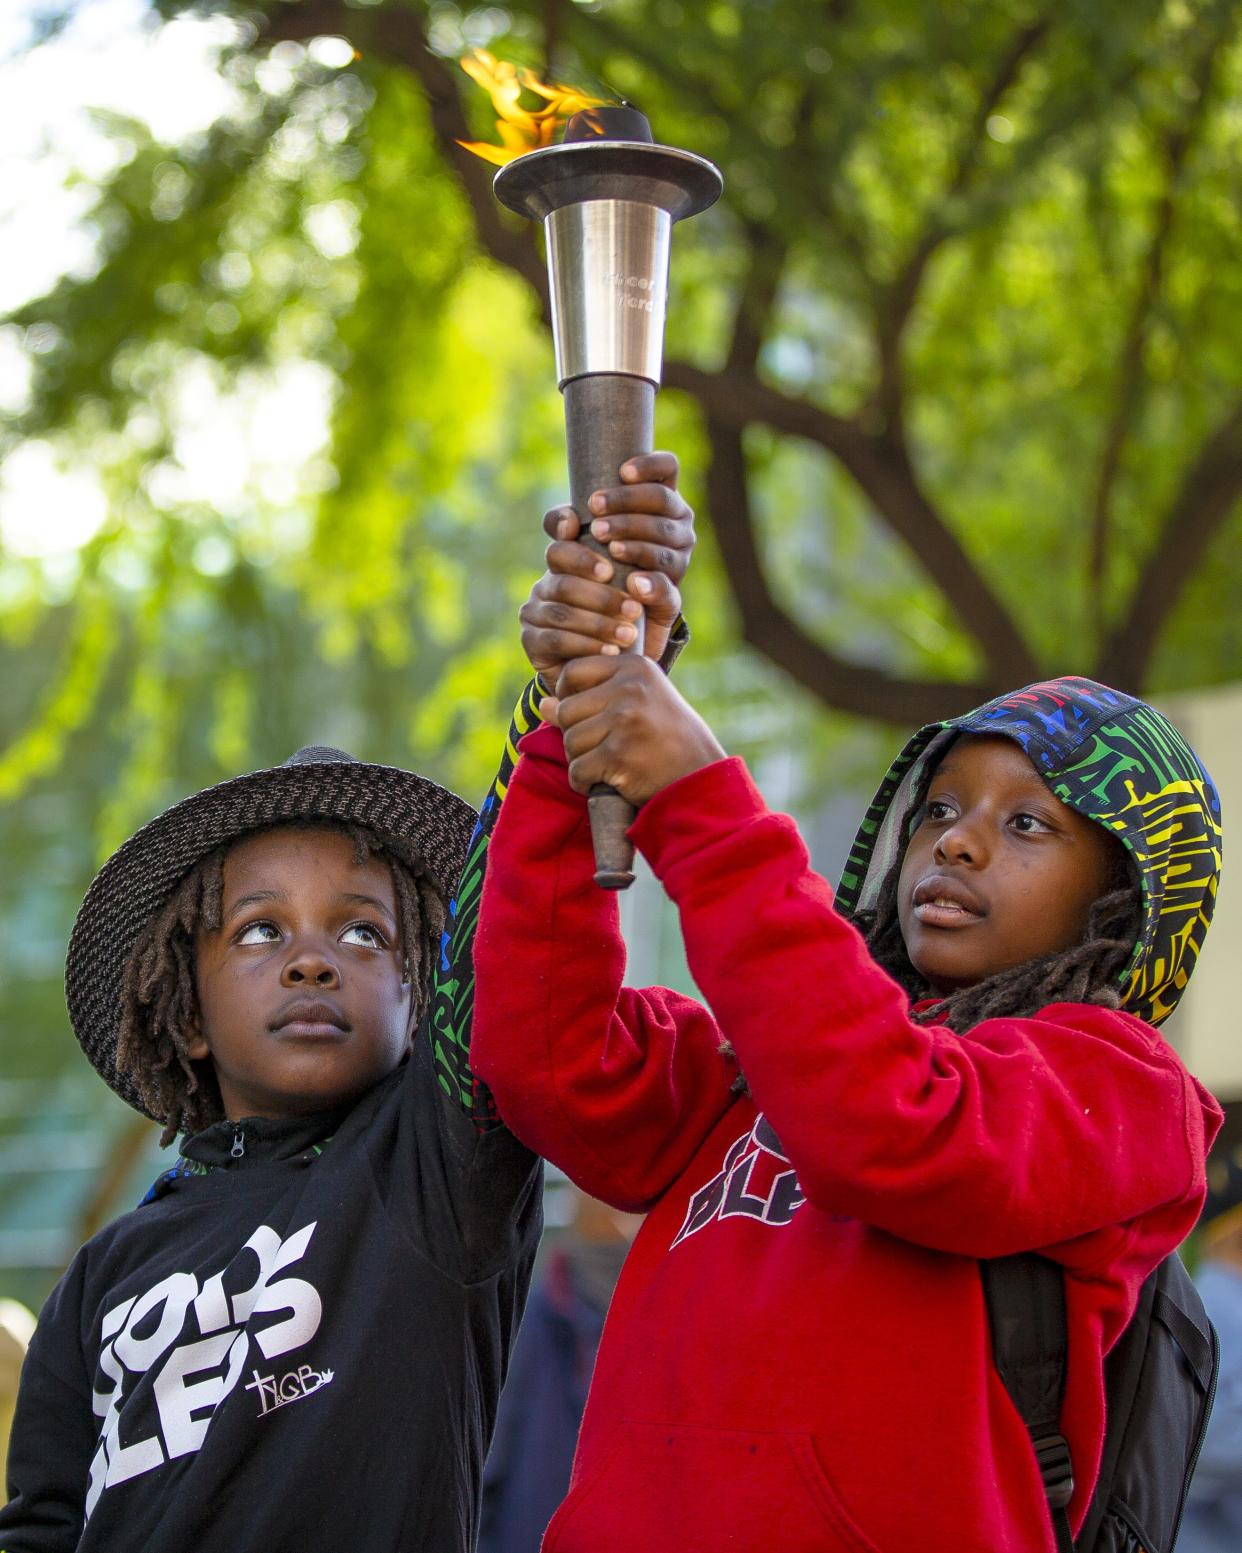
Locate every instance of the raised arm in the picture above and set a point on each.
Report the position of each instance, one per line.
(452, 1004)
(573, 611)
(616, 1086)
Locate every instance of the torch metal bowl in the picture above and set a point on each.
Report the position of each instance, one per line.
(608, 207)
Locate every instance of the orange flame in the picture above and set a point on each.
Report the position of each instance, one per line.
(520, 129)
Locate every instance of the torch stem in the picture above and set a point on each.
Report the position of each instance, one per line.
(609, 417)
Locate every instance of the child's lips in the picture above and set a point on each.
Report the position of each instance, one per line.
(311, 1030)
(311, 1021)
(945, 904)
(944, 914)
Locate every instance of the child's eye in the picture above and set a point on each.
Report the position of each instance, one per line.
(258, 933)
(1029, 824)
(937, 809)
(366, 934)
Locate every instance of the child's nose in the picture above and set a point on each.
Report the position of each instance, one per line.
(311, 966)
(958, 844)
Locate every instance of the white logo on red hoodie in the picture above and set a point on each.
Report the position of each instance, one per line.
(755, 1182)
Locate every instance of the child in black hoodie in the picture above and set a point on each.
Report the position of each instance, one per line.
(298, 1340)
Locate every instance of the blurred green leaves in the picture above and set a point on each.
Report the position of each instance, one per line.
(953, 371)
(1002, 328)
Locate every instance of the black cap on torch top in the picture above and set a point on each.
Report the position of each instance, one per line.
(609, 122)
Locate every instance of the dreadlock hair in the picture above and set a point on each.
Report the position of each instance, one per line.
(1087, 972)
(158, 998)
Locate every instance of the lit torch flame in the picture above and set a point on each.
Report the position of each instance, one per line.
(520, 129)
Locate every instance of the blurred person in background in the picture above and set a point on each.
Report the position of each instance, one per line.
(17, 1326)
(527, 1473)
(1213, 1519)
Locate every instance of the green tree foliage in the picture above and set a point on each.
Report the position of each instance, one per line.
(960, 318)
(952, 368)
(954, 357)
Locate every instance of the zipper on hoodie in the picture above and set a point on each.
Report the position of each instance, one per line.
(239, 1143)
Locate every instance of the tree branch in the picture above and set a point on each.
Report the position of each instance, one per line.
(883, 473)
(1207, 495)
(669, 66)
(118, 1164)
(816, 192)
(735, 397)
(757, 298)
(1178, 143)
(901, 296)
(553, 15)
(765, 626)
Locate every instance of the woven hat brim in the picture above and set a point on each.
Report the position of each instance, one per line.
(141, 875)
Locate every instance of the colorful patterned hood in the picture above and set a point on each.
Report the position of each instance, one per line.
(1117, 761)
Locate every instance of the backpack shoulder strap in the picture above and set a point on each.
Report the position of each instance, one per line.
(1025, 1296)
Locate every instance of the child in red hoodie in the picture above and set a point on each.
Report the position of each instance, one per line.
(952, 1059)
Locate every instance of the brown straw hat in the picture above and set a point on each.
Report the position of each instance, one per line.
(316, 783)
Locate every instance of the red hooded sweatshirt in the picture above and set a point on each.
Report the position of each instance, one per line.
(798, 1356)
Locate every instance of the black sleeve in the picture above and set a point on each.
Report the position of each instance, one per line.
(452, 998)
(678, 640)
(53, 1437)
(476, 1191)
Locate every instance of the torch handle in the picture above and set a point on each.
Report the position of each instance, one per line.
(609, 417)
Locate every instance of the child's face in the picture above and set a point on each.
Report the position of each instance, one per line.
(302, 1002)
(999, 871)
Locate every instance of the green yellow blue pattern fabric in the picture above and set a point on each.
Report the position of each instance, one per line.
(1122, 764)
(452, 1003)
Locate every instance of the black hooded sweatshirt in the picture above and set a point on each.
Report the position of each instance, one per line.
(297, 1342)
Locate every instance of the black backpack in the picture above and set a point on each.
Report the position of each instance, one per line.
(1160, 1380)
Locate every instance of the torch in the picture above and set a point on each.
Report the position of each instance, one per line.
(608, 197)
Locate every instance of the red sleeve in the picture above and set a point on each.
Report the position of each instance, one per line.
(616, 1086)
(1023, 1134)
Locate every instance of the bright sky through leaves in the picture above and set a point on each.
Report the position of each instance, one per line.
(111, 58)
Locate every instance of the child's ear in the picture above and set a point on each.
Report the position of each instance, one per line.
(196, 1047)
